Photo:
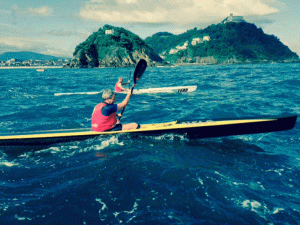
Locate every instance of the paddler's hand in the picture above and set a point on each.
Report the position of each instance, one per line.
(119, 115)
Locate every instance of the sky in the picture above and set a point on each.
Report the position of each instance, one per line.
(57, 27)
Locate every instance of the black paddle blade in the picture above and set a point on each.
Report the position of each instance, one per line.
(139, 70)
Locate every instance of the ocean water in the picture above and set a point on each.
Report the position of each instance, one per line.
(169, 179)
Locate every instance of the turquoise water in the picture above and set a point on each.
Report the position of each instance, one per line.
(247, 179)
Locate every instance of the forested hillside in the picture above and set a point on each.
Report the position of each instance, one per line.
(228, 43)
(116, 48)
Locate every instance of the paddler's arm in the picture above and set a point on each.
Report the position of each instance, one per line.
(126, 82)
(124, 103)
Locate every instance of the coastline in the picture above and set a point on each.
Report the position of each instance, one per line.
(31, 67)
(237, 63)
(158, 65)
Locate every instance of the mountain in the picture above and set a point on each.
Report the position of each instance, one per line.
(222, 43)
(112, 47)
(26, 56)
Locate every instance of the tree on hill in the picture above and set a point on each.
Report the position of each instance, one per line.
(159, 41)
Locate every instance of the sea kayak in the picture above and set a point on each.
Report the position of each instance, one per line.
(191, 129)
(179, 89)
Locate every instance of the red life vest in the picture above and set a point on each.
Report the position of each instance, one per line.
(101, 122)
(118, 89)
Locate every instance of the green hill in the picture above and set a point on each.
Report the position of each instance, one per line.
(228, 43)
(112, 47)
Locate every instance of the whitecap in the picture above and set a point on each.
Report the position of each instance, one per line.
(104, 144)
(103, 204)
(245, 204)
(277, 210)
(200, 181)
(252, 204)
(20, 218)
(8, 164)
(255, 204)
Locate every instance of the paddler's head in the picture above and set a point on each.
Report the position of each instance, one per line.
(120, 79)
(109, 96)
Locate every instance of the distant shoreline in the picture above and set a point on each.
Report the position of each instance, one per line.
(168, 65)
(31, 67)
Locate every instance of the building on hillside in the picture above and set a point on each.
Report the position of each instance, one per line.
(26, 63)
(109, 31)
(200, 40)
(196, 41)
(206, 38)
(233, 19)
(184, 46)
(173, 51)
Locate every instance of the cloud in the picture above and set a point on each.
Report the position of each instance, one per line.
(56, 52)
(259, 20)
(173, 11)
(66, 33)
(3, 12)
(43, 11)
(14, 42)
(29, 44)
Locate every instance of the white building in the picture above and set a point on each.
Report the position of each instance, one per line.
(234, 19)
(200, 40)
(184, 46)
(206, 38)
(109, 31)
(173, 51)
(196, 41)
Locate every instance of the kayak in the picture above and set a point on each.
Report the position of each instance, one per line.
(179, 89)
(191, 129)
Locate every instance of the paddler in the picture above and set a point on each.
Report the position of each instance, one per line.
(104, 116)
(119, 85)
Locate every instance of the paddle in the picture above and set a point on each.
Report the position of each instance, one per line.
(129, 79)
(138, 72)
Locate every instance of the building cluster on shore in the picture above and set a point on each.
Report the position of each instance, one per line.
(33, 63)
